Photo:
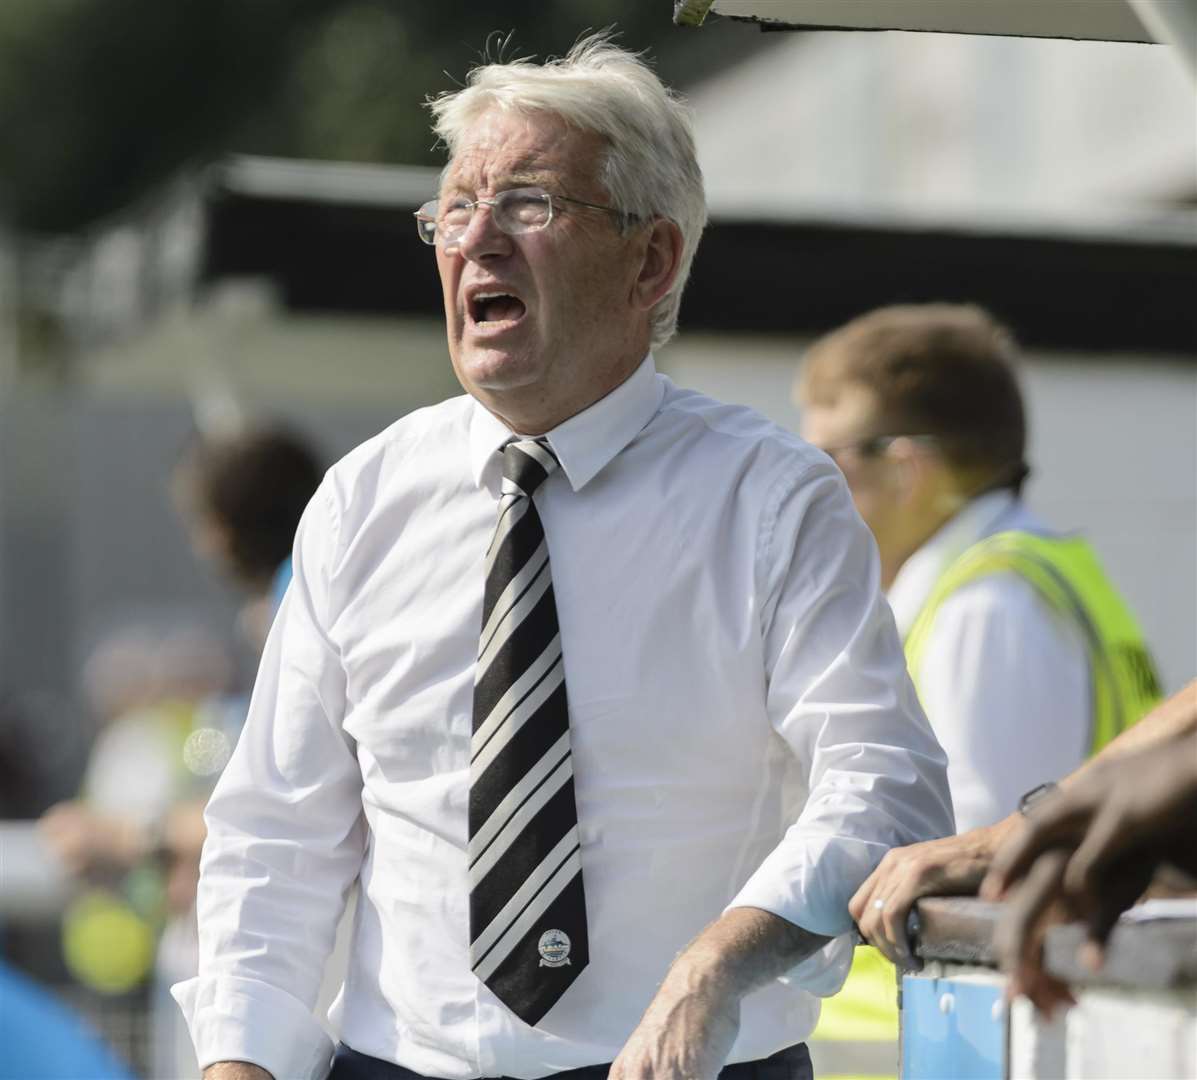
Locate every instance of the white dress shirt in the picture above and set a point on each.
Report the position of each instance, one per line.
(1004, 677)
(744, 734)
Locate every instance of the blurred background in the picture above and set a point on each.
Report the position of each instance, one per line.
(210, 280)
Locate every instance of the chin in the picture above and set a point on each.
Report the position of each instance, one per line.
(498, 371)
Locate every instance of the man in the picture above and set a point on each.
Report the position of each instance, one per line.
(686, 718)
(1024, 656)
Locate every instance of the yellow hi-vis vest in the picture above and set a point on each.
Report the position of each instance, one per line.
(858, 1028)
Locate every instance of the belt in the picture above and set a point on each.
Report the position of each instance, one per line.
(792, 1063)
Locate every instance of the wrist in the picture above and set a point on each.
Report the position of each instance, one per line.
(700, 971)
(742, 950)
(1037, 794)
(998, 834)
(235, 1070)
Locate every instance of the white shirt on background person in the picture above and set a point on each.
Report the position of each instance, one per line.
(1004, 677)
(743, 734)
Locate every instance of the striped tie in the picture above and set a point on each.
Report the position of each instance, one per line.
(527, 908)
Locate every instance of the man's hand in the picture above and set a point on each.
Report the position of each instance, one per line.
(1089, 853)
(1120, 810)
(952, 865)
(236, 1070)
(686, 1033)
(688, 1030)
(1018, 939)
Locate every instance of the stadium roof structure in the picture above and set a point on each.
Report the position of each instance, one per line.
(1173, 21)
(1101, 20)
(337, 238)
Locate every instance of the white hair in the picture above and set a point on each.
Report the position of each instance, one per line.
(649, 169)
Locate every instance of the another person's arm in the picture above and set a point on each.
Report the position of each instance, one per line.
(85, 839)
(1091, 850)
(838, 694)
(285, 841)
(958, 864)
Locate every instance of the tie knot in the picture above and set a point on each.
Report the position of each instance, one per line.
(527, 463)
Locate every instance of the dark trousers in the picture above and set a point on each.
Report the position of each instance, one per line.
(792, 1063)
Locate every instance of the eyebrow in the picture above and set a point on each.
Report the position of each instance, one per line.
(529, 176)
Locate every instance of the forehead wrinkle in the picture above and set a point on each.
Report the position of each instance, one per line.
(485, 164)
(525, 171)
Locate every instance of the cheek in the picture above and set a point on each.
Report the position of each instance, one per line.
(882, 513)
(589, 280)
(866, 507)
(866, 495)
(450, 273)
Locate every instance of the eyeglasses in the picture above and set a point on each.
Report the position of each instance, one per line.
(516, 211)
(873, 446)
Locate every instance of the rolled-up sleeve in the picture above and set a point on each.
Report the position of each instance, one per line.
(285, 839)
(840, 696)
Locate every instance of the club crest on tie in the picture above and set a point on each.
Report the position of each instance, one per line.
(553, 948)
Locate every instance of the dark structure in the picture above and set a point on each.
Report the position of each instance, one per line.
(1065, 291)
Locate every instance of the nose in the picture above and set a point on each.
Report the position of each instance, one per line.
(482, 237)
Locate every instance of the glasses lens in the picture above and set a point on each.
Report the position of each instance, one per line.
(522, 210)
(426, 222)
(519, 210)
(455, 215)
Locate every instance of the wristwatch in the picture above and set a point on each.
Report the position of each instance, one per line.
(1035, 796)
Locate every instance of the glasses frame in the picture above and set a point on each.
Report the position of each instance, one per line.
(427, 229)
(875, 446)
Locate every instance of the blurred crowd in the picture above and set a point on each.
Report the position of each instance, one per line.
(166, 707)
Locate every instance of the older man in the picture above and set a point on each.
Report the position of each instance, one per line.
(686, 719)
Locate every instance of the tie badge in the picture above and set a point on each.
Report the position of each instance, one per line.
(553, 948)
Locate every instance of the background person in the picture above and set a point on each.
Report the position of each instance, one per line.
(658, 738)
(130, 839)
(242, 495)
(1025, 657)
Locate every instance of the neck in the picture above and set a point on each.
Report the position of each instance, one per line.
(532, 417)
(890, 568)
(928, 525)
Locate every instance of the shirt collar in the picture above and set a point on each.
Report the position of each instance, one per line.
(586, 442)
(914, 582)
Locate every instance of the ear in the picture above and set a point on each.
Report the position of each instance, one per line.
(925, 478)
(662, 259)
(913, 471)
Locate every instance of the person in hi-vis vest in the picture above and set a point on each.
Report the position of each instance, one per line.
(1024, 655)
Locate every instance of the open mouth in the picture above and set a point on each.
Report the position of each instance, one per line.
(495, 308)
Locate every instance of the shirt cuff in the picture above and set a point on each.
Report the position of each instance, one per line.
(810, 884)
(825, 971)
(235, 1019)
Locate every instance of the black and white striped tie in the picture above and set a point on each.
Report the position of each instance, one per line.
(527, 908)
